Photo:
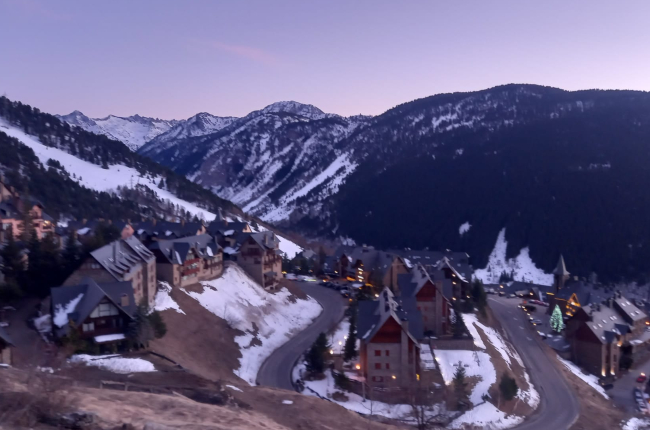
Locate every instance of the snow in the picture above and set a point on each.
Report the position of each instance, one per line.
(245, 305)
(114, 363)
(61, 312)
(592, 380)
(426, 357)
(43, 324)
(109, 337)
(636, 424)
(94, 177)
(229, 250)
(464, 228)
(522, 266)
(83, 231)
(486, 416)
(232, 387)
(448, 360)
(507, 352)
(228, 232)
(287, 402)
(289, 248)
(164, 301)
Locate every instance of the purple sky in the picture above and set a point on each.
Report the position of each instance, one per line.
(172, 59)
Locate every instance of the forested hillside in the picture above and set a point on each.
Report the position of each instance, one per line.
(64, 194)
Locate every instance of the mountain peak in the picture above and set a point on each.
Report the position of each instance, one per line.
(293, 107)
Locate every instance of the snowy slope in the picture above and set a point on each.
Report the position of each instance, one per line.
(134, 131)
(270, 319)
(522, 266)
(94, 177)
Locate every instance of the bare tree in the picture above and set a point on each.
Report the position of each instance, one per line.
(422, 412)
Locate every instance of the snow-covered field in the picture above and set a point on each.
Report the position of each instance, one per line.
(236, 298)
(592, 380)
(522, 265)
(114, 363)
(636, 424)
(94, 177)
(286, 246)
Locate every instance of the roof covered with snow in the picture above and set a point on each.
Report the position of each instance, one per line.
(177, 251)
(120, 257)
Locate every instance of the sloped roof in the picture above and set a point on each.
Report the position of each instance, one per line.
(430, 259)
(221, 226)
(586, 293)
(121, 256)
(372, 315)
(372, 259)
(629, 309)
(5, 337)
(167, 229)
(92, 294)
(176, 251)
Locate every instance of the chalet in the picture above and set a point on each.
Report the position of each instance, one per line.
(451, 270)
(122, 260)
(101, 312)
(260, 256)
(390, 330)
(429, 298)
(187, 260)
(12, 209)
(600, 333)
(5, 347)
(370, 266)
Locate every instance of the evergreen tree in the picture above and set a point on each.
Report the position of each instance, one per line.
(12, 262)
(140, 330)
(34, 273)
(26, 224)
(351, 342)
(52, 272)
(71, 254)
(458, 327)
(478, 295)
(460, 386)
(157, 324)
(316, 355)
(508, 387)
(557, 325)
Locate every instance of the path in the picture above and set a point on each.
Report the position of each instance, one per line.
(559, 407)
(276, 370)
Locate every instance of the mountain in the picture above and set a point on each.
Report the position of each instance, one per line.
(560, 171)
(134, 131)
(267, 159)
(79, 174)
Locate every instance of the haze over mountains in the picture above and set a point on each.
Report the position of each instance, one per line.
(560, 171)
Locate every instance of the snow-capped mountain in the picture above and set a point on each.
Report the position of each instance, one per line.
(134, 131)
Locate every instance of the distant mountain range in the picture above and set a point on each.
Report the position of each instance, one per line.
(560, 171)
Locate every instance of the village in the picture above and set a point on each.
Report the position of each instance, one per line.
(411, 336)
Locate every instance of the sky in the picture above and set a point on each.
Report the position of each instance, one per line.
(172, 59)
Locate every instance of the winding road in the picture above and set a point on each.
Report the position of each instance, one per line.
(276, 370)
(559, 407)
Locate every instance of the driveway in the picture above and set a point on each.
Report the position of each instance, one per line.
(622, 394)
(276, 370)
(558, 408)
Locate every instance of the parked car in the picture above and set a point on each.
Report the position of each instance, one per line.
(530, 308)
(512, 296)
(641, 378)
(537, 321)
(501, 293)
(345, 292)
(542, 334)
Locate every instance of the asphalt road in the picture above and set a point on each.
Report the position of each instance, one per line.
(558, 408)
(276, 370)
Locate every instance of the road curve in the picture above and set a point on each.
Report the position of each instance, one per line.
(559, 407)
(276, 369)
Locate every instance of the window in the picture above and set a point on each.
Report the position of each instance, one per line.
(387, 353)
(377, 365)
(387, 365)
(377, 352)
(88, 327)
(104, 310)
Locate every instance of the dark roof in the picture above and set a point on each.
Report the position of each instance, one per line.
(604, 322)
(372, 259)
(121, 256)
(372, 315)
(410, 283)
(8, 210)
(223, 226)
(91, 295)
(431, 259)
(585, 292)
(167, 229)
(176, 251)
(265, 239)
(628, 309)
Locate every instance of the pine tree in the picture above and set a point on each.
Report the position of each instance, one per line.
(71, 254)
(458, 325)
(351, 342)
(460, 386)
(316, 355)
(34, 273)
(478, 295)
(157, 324)
(26, 224)
(557, 325)
(140, 330)
(12, 262)
(508, 387)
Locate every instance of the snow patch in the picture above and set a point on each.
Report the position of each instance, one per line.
(232, 387)
(164, 300)
(522, 266)
(591, 380)
(61, 312)
(464, 228)
(114, 363)
(245, 305)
